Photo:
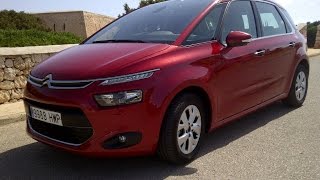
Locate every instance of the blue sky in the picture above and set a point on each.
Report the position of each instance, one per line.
(301, 10)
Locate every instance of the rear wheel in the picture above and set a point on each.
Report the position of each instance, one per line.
(299, 88)
(182, 130)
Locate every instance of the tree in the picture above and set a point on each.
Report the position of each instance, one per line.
(312, 33)
(143, 3)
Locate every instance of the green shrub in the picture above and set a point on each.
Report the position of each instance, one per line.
(312, 33)
(34, 37)
(18, 29)
(20, 21)
(142, 3)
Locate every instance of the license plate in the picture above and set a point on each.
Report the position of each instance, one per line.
(46, 116)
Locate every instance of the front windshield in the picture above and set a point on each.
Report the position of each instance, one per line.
(157, 23)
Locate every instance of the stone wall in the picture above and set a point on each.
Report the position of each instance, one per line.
(64, 22)
(94, 22)
(15, 66)
(317, 44)
(81, 23)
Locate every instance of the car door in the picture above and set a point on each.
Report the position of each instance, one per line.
(280, 45)
(240, 82)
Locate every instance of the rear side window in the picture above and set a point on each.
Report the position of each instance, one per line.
(272, 22)
(239, 17)
(289, 18)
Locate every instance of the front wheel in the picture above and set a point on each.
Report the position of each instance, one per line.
(183, 129)
(299, 88)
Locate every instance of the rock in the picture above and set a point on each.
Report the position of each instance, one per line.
(45, 56)
(4, 96)
(26, 56)
(20, 64)
(9, 63)
(29, 63)
(1, 74)
(2, 60)
(26, 72)
(19, 73)
(9, 74)
(17, 94)
(7, 85)
(20, 82)
(37, 58)
(13, 101)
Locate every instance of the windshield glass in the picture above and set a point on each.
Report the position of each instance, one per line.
(157, 23)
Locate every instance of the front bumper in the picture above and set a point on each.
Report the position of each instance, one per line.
(102, 123)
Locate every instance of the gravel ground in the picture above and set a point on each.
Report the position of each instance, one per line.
(274, 143)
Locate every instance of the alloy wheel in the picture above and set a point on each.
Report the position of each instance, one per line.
(189, 129)
(301, 86)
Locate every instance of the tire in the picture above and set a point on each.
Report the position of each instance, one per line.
(299, 88)
(178, 151)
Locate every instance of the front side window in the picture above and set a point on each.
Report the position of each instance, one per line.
(206, 29)
(240, 17)
(157, 23)
(272, 22)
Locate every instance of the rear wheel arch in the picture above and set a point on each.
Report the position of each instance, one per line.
(296, 97)
(306, 64)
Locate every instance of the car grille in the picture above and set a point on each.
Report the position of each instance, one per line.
(68, 135)
(54, 84)
(76, 128)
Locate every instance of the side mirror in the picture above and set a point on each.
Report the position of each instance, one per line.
(238, 38)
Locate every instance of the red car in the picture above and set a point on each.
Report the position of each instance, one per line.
(159, 78)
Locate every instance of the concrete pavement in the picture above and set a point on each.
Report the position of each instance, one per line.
(276, 142)
(11, 112)
(313, 52)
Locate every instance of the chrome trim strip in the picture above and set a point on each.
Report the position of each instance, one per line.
(123, 76)
(50, 81)
(253, 39)
(52, 139)
(89, 81)
(278, 35)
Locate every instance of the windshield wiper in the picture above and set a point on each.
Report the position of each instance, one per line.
(119, 41)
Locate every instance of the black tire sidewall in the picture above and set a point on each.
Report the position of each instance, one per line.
(172, 121)
(292, 98)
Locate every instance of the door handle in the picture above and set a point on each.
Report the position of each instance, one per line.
(292, 44)
(261, 52)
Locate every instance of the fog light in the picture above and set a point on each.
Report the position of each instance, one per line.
(122, 139)
(120, 98)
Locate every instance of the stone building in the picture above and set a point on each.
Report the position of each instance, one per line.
(81, 23)
(303, 28)
(317, 44)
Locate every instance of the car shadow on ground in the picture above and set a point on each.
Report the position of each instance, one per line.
(39, 160)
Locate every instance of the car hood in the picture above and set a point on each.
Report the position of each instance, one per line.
(93, 61)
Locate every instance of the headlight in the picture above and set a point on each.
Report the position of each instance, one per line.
(120, 98)
(128, 78)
